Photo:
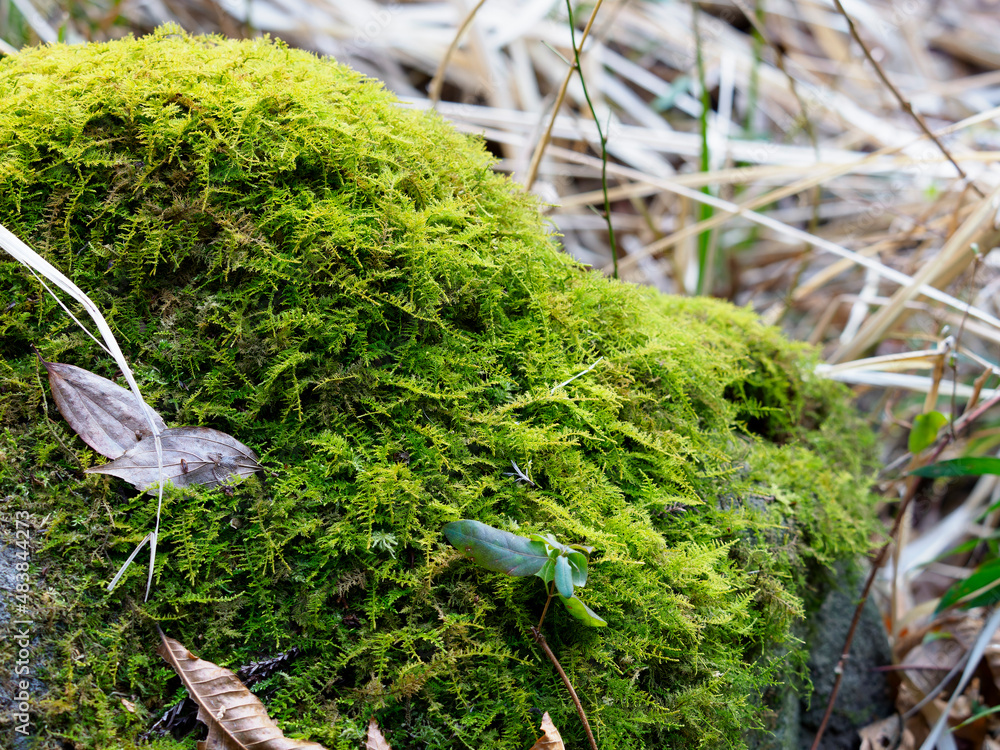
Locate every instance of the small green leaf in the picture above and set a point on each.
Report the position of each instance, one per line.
(978, 590)
(581, 611)
(551, 541)
(925, 430)
(497, 550)
(961, 549)
(578, 562)
(960, 467)
(548, 571)
(564, 577)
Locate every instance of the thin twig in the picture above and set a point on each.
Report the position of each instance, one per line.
(900, 98)
(540, 640)
(958, 339)
(911, 491)
(600, 134)
(545, 609)
(536, 157)
(434, 90)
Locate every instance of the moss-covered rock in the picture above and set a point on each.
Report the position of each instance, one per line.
(346, 286)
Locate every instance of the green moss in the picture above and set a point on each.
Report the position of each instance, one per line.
(348, 288)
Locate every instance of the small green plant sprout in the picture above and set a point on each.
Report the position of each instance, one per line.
(563, 567)
(925, 430)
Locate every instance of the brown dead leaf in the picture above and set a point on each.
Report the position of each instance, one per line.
(884, 734)
(376, 740)
(191, 455)
(550, 739)
(236, 719)
(106, 416)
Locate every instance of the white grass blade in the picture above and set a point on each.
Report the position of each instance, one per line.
(38, 265)
(124, 567)
(978, 649)
(28, 257)
(152, 548)
(578, 375)
(69, 312)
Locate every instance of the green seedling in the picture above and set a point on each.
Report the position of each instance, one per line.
(563, 568)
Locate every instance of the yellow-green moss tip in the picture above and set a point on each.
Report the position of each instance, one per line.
(345, 286)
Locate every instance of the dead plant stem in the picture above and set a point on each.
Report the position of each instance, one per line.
(434, 90)
(536, 157)
(540, 640)
(900, 98)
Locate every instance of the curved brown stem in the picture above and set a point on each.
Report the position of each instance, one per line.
(434, 90)
(540, 640)
(548, 590)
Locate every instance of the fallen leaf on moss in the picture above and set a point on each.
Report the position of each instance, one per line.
(376, 740)
(235, 717)
(191, 455)
(106, 416)
(550, 739)
(179, 719)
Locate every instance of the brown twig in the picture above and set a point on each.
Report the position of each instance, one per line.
(434, 90)
(911, 491)
(540, 640)
(536, 157)
(900, 98)
(548, 590)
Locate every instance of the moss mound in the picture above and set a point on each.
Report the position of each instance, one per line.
(346, 287)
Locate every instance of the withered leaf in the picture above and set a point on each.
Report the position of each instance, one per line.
(191, 455)
(376, 740)
(550, 739)
(236, 719)
(106, 416)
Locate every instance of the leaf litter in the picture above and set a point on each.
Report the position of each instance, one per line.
(120, 425)
(181, 718)
(550, 739)
(376, 740)
(235, 717)
(106, 416)
(108, 419)
(191, 456)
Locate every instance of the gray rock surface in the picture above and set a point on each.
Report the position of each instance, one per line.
(865, 695)
(20, 687)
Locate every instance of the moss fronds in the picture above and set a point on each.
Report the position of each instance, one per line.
(345, 286)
